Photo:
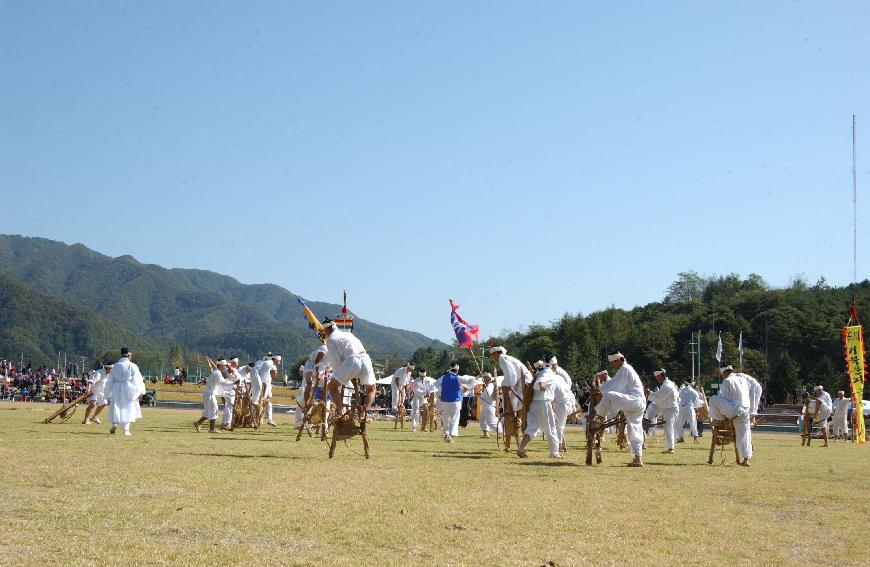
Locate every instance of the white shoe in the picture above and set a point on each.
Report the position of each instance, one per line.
(127, 433)
(112, 430)
(97, 420)
(86, 422)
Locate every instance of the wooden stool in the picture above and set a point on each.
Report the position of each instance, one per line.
(723, 434)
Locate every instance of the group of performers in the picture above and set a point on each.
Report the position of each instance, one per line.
(520, 403)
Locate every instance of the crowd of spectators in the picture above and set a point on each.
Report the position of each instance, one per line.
(27, 383)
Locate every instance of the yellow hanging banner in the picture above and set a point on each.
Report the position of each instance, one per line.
(853, 338)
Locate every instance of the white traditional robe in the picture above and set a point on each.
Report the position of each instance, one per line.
(124, 386)
(541, 418)
(624, 392)
(488, 418)
(400, 378)
(564, 402)
(97, 380)
(841, 412)
(689, 402)
(349, 359)
(515, 375)
(420, 388)
(667, 402)
(734, 401)
(825, 409)
(261, 384)
(215, 385)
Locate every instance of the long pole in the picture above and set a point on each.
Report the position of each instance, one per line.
(854, 207)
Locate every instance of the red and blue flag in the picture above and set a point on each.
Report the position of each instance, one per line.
(465, 334)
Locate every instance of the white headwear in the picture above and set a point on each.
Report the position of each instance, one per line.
(819, 387)
(277, 358)
(553, 361)
(601, 372)
(221, 362)
(540, 364)
(615, 356)
(496, 349)
(723, 369)
(659, 372)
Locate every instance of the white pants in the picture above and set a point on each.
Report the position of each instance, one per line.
(541, 419)
(450, 418)
(563, 409)
(840, 424)
(299, 415)
(821, 419)
(258, 389)
(632, 408)
(357, 366)
(670, 417)
(416, 404)
(687, 413)
(720, 408)
(229, 402)
(650, 414)
(488, 419)
(394, 404)
(209, 405)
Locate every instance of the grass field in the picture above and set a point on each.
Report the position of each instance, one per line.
(73, 494)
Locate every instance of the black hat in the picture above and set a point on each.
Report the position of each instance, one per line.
(125, 351)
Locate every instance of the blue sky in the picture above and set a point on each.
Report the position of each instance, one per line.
(527, 159)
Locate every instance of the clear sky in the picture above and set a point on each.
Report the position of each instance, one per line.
(526, 158)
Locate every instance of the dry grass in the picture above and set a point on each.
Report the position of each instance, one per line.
(74, 494)
(190, 392)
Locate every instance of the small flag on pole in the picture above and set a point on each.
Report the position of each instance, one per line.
(313, 323)
(465, 334)
(740, 350)
(719, 349)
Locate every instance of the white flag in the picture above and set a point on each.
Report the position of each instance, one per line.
(719, 349)
(740, 349)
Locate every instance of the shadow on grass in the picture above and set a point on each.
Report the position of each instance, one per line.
(704, 464)
(236, 456)
(555, 463)
(459, 452)
(459, 456)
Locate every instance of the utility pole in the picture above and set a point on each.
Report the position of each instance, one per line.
(694, 349)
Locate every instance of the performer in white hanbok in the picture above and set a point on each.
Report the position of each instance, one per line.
(541, 418)
(690, 401)
(824, 407)
(313, 387)
(97, 394)
(124, 388)
(564, 402)
(216, 385)
(841, 411)
(349, 361)
(421, 387)
(234, 375)
(624, 392)
(400, 379)
(667, 402)
(734, 401)
(515, 374)
(488, 419)
(261, 386)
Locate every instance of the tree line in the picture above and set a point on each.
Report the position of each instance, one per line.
(791, 336)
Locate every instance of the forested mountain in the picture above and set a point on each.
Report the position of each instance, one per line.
(199, 310)
(791, 336)
(39, 326)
